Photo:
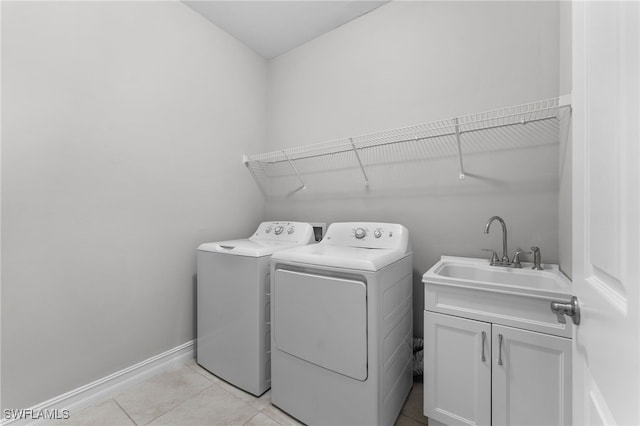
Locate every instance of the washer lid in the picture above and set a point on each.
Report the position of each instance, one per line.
(268, 238)
(247, 247)
(363, 259)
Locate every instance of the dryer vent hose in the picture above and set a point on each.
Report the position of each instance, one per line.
(418, 356)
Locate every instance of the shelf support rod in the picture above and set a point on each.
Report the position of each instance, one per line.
(304, 185)
(461, 176)
(355, 151)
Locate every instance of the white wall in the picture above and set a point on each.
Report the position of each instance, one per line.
(123, 128)
(413, 62)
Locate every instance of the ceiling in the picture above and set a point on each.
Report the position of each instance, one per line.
(275, 27)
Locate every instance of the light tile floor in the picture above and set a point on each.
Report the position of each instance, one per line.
(190, 395)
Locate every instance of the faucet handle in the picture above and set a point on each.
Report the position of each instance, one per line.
(494, 255)
(516, 258)
(537, 259)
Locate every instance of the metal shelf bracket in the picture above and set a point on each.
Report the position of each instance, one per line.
(461, 176)
(355, 151)
(304, 185)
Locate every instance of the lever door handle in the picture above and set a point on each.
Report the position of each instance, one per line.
(571, 309)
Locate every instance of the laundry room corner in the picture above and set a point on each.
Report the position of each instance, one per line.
(497, 54)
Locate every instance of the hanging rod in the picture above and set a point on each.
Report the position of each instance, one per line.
(505, 117)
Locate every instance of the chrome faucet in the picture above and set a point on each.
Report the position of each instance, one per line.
(505, 255)
(515, 263)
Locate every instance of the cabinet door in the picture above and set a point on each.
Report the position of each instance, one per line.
(457, 370)
(531, 378)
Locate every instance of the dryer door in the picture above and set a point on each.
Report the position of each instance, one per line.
(322, 320)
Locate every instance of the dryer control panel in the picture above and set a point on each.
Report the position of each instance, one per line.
(368, 235)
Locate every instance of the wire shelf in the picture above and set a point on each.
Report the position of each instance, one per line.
(435, 139)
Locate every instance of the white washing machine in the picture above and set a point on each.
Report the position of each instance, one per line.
(342, 326)
(233, 296)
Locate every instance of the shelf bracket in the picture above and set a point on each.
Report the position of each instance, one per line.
(355, 151)
(304, 185)
(461, 176)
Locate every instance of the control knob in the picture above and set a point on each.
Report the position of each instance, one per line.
(377, 233)
(268, 229)
(360, 233)
(279, 230)
(290, 231)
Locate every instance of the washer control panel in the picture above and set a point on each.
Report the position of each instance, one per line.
(283, 231)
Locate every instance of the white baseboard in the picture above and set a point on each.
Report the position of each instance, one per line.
(110, 385)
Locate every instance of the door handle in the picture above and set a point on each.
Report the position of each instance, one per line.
(499, 349)
(571, 309)
(484, 338)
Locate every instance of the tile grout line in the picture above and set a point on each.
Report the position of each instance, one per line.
(179, 404)
(267, 414)
(237, 397)
(203, 372)
(124, 411)
(254, 416)
(410, 419)
(421, 421)
(295, 421)
(223, 388)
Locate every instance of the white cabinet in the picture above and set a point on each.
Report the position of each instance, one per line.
(532, 385)
(457, 376)
(479, 373)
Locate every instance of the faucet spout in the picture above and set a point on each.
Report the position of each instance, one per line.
(505, 255)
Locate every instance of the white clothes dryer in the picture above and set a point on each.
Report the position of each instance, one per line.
(343, 326)
(233, 296)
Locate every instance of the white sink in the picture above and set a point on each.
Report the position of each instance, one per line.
(470, 287)
(477, 272)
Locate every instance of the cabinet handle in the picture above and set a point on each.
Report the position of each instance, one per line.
(484, 337)
(499, 349)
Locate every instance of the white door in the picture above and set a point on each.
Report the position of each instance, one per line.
(531, 378)
(606, 216)
(457, 369)
(322, 320)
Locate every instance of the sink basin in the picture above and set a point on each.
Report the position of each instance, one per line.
(467, 271)
(521, 298)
